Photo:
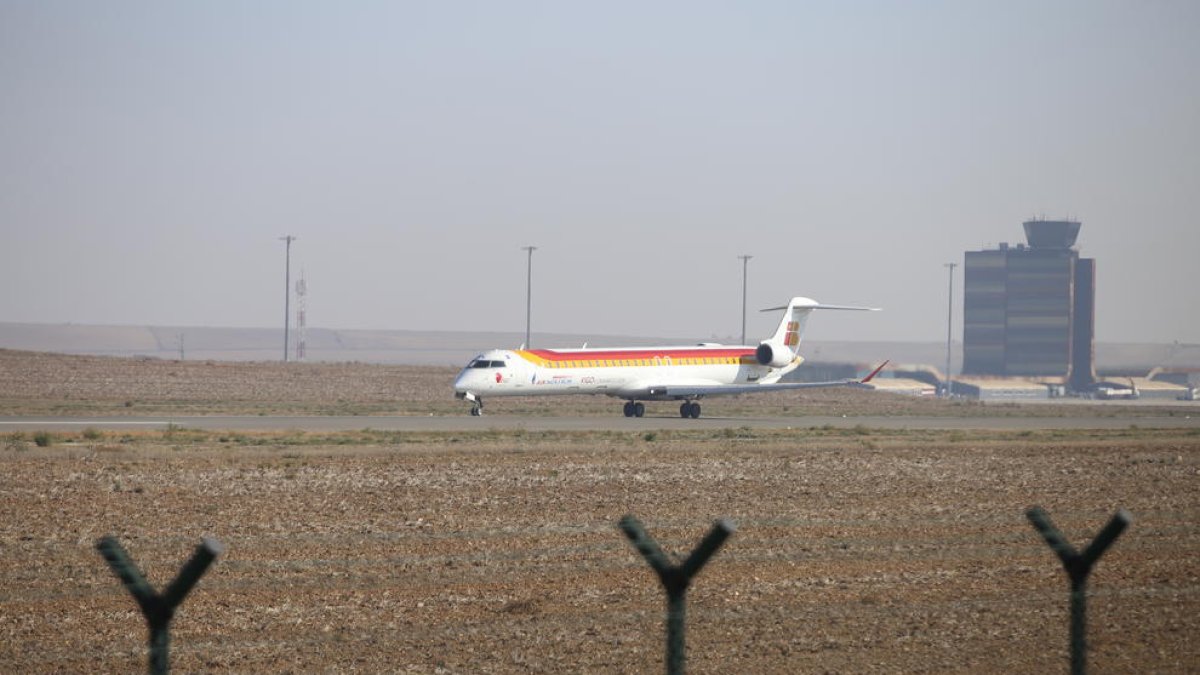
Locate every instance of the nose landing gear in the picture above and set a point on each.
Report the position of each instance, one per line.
(477, 408)
(634, 409)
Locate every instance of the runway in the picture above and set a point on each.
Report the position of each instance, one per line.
(467, 424)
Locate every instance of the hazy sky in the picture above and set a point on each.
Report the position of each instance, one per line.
(151, 154)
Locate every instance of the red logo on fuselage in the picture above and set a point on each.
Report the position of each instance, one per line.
(499, 377)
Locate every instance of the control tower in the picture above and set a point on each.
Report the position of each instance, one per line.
(1029, 309)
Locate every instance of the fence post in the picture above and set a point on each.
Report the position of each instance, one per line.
(158, 609)
(1078, 566)
(676, 578)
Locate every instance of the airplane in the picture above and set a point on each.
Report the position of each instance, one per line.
(638, 374)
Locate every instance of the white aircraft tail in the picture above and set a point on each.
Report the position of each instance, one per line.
(782, 348)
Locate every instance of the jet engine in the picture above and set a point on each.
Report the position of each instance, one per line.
(774, 355)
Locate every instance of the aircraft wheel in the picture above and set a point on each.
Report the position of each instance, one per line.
(639, 409)
(685, 409)
(629, 408)
(694, 411)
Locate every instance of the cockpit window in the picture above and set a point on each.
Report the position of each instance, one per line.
(483, 363)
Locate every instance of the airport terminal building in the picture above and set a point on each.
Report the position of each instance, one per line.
(1029, 309)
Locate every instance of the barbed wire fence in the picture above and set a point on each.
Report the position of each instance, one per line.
(158, 609)
(1078, 566)
(675, 579)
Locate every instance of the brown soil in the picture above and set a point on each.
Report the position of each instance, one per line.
(855, 551)
(35, 383)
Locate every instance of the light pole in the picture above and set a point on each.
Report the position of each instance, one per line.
(745, 261)
(287, 291)
(949, 329)
(528, 291)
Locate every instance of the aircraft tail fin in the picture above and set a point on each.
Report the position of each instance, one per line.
(868, 378)
(788, 335)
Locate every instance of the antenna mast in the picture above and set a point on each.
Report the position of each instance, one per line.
(287, 292)
(301, 317)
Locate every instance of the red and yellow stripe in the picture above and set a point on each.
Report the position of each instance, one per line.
(621, 358)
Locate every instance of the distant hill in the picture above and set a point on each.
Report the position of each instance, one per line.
(266, 344)
(456, 347)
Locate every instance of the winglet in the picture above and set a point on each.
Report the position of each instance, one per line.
(873, 373)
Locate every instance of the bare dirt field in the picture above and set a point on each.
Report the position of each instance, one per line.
(857, 550)
(35, 383)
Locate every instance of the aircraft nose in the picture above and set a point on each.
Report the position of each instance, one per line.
(466, 382)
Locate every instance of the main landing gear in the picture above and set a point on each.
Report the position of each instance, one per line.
(686, 409)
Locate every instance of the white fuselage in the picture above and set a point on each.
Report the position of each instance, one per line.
(633, 373)
(651, 373)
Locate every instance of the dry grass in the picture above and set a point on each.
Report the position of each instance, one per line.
(66, 385)
(59, 384)
(496, 551)
(857, 550)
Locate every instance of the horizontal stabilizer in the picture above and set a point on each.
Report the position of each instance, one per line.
(816, 305)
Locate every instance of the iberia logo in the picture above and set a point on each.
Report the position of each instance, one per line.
(793, 337)
(498, 377)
